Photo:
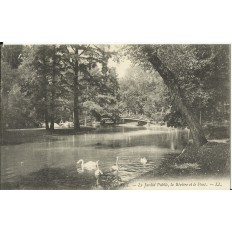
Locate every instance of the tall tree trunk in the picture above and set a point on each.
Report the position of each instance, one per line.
(52, 113)
(53, 89)
(45, 89)
(6, 110)
(52, 123)
(46, 108)
(76, 97)
(46, 119)
(170, 80)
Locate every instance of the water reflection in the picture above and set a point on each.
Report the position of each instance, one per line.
(52, 164)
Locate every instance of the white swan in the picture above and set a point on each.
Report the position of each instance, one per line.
(98, 172)
(115, 167)
(143, 160)
(88, 166)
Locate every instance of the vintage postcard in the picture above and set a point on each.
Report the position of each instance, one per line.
(90, 116)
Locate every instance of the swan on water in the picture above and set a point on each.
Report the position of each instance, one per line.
(98, 172)
(115, 167)
(143, 160)
(88, 166)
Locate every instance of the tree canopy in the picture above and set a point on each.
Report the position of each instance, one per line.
(185, 85)
(194, 75)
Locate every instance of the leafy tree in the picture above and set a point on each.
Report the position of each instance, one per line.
(75, 61)
(34, 79)
(10, 60)
(55, 68)
(151, 57)
(143, 92)
(190, 73)
(101, 94)
(85, 79)
(41, 72)
(8, 79)
(204, 80)
(11, 54)
(45, 84)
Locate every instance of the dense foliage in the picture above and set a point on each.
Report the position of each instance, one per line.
(203, 75)
(50, 83)
(143, 93)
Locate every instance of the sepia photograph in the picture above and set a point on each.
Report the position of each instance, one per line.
(115, 117)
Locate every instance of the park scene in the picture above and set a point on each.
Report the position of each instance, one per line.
(114, 117)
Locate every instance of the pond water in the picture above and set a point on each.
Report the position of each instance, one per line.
(52, 163)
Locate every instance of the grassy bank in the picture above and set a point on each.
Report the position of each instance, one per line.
(213, 158)
(210, 159)
(217, 131)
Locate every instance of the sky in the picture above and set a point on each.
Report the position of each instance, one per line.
(122, 65)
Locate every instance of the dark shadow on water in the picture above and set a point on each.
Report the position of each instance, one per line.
(69, 178)
(161, 140)
(62, 179)
(14, 137)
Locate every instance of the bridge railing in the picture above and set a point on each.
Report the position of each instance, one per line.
(135, 116)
